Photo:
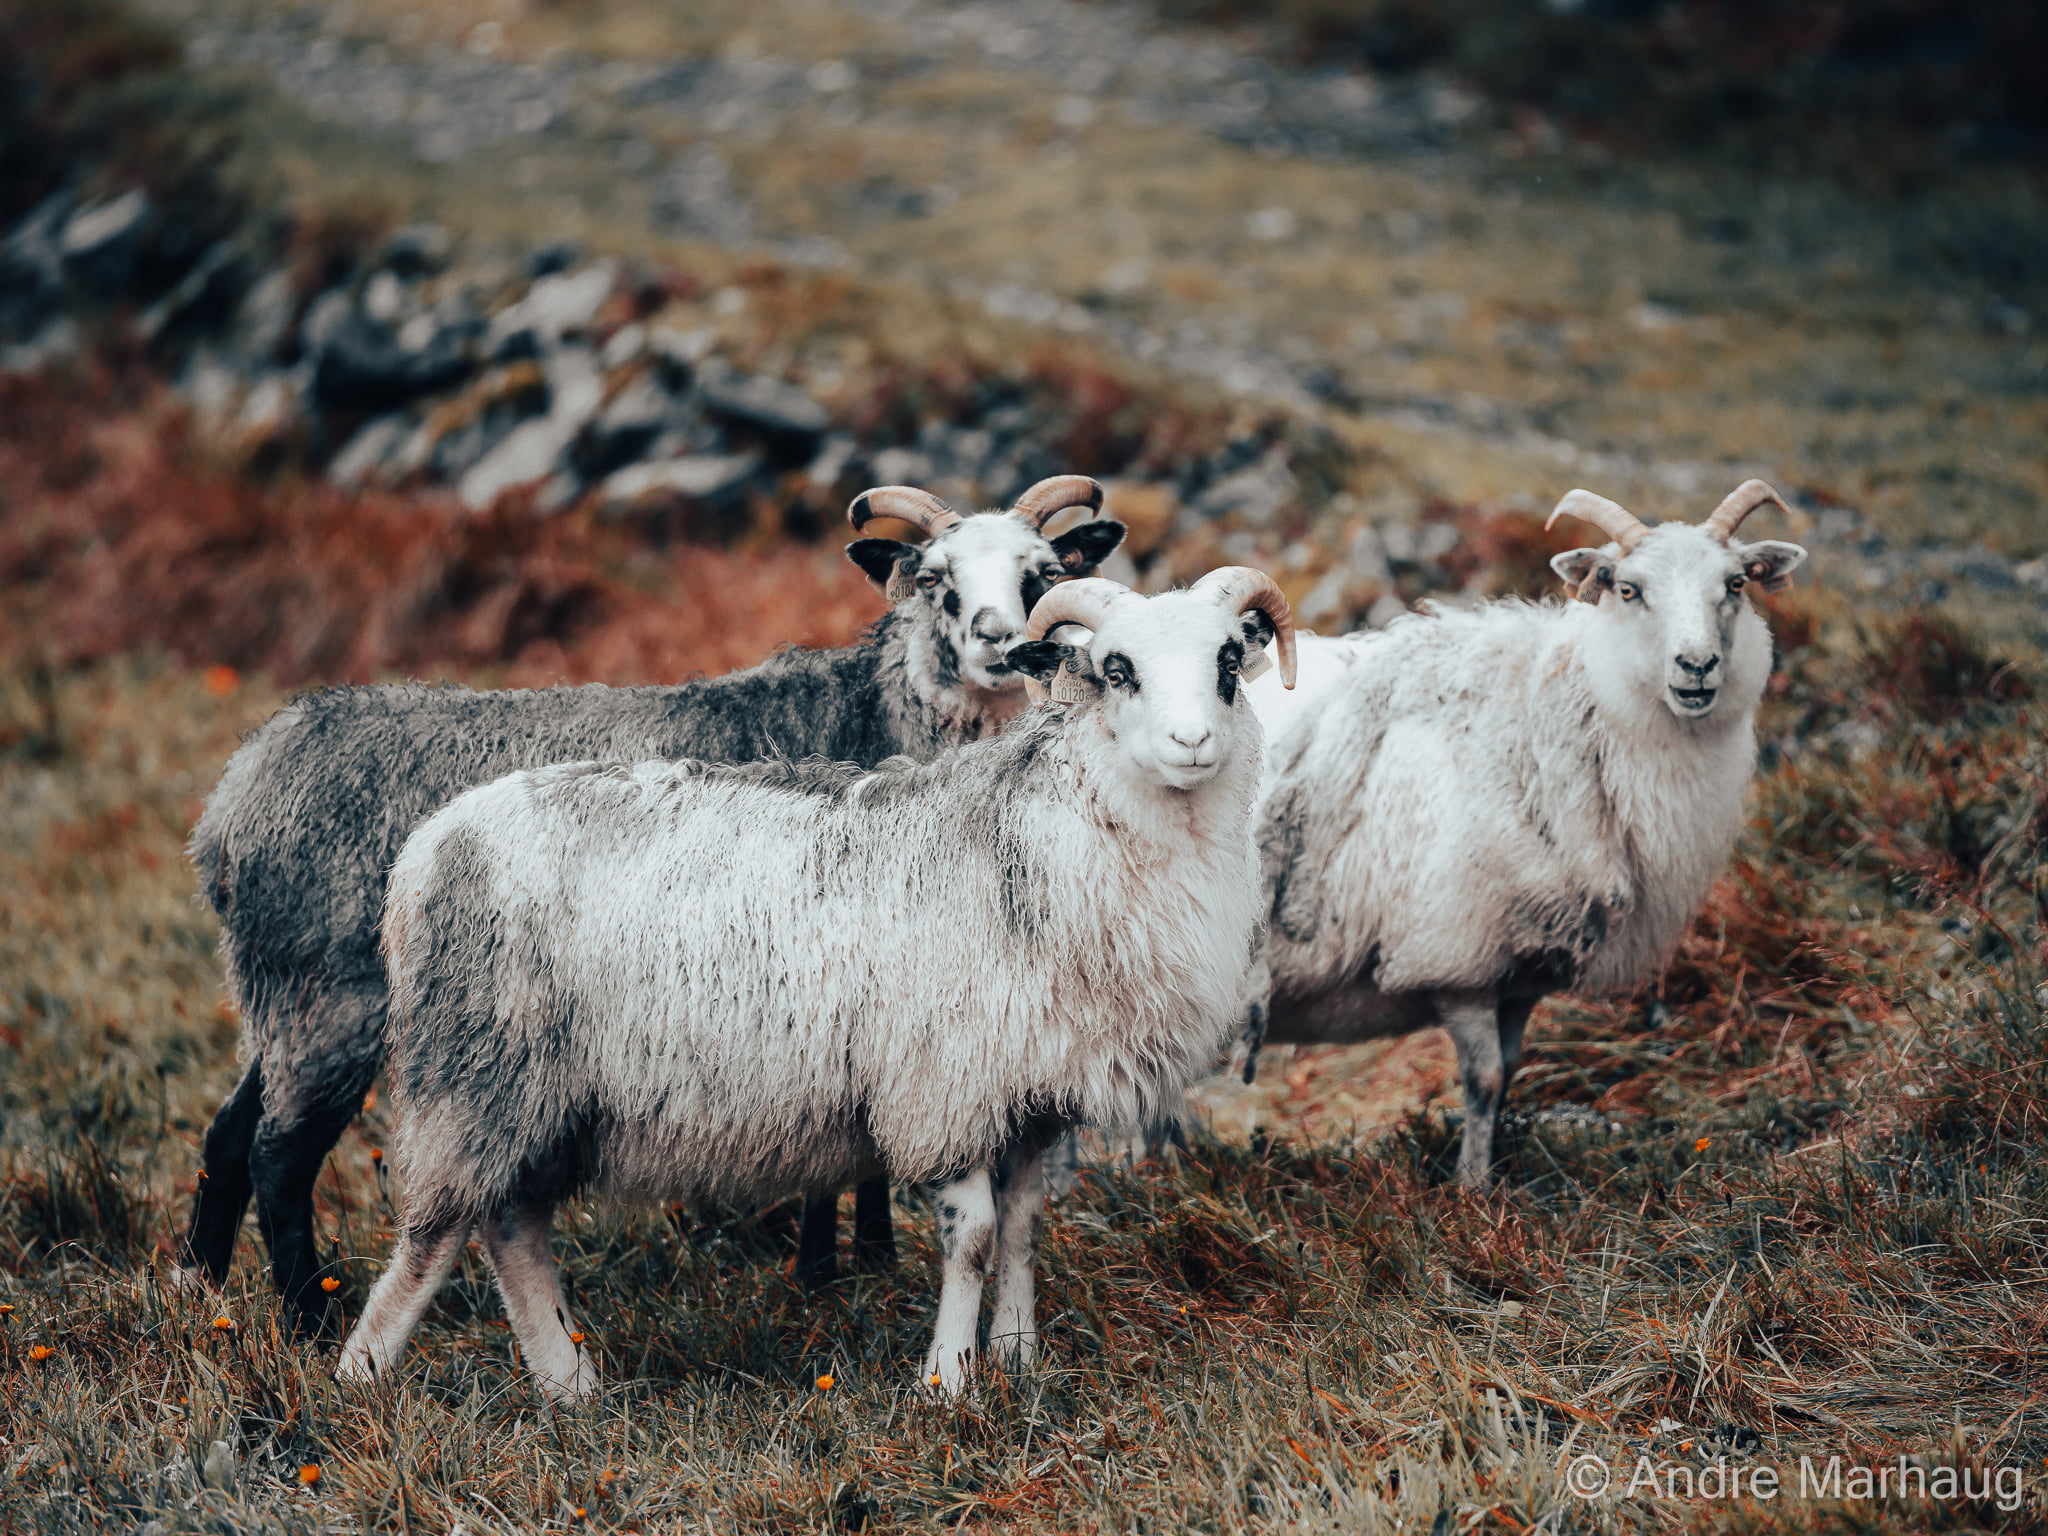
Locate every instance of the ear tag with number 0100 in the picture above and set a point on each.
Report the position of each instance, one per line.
(901, 584)
(1070, 686)
(1256, 665)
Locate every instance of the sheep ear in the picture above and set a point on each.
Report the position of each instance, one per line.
(1036, 658)
(1771, 564)
(1082, 549)
(1586, 573)
(880, 560)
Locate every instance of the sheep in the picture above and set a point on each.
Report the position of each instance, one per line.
(1470, 810)
(295, 841)
(677, 979)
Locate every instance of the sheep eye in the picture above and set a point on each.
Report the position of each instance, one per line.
(1230, 665)
(1117, 672)
(927, 579)
(1629, 591)
(1736, 584)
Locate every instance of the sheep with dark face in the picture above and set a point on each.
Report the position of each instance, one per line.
(1467, 811)
(297, 837)
(675, 980)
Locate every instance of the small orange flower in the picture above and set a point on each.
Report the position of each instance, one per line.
(222, 680)
(330, 1285)
(1701, 1144)
(576, 1338)
(581, 1513)
(376, 1154)
(223, 1325)
(6, 1308)
(309, 1474)
(40, 1353)
(825, 1382)
(935, 1378)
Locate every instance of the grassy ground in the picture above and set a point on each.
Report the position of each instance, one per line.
(1800, 1218)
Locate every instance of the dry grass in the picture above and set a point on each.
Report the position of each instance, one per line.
(1799, 1217)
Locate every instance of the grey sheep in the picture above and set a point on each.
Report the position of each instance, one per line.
(297, 837)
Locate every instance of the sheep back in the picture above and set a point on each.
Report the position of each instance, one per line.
(295, 840)
(673, 979)
(1469, 818)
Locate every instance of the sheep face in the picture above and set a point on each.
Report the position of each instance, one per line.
(1674, 616)
(977, 580)
(1165, 674)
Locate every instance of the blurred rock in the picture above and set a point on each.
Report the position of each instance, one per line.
(901, 466)
(624, 347)
(55, 341)
(770, 405)
(529, 452)
(368, 451)
(418, 250)
(626, 427)
(1368, 557)
(208, 287)
(835, 455)
(1385, 609)
(714, 479)
(1147, 510)
(360, 363)
(1326, 599)
(554, 308)
(100, 243)
(554, 256)
(1256, 494)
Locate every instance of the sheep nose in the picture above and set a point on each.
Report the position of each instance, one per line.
(1193, 737)
(989, 626)
(1698, 663)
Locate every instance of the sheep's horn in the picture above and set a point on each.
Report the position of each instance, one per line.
(1610, 517)
(1047, 499)
(906, 502)
(1086, 601)
(1240, 589)
(1743, 500)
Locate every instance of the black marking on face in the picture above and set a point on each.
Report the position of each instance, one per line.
(1118, 672)
(1229, 664)
(951, 602)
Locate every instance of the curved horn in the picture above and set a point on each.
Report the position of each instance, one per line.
(1047, 499)
(1610, 517)
(903, 501)
(1743, 500)
(1086, 601)
(1239, 588)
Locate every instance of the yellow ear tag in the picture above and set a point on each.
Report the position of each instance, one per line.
(1071, 686)
(901, 585)
(1256, 665)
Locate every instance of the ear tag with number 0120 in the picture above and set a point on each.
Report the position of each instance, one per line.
(1070, 686)
(901, 584)
(1256, 665)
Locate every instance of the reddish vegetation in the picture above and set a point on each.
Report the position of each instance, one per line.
(114, 536)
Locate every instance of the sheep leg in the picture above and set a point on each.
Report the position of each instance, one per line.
(517, 1246)
(422, 1260)
(1514, 1018)
(874, 1233)
(1473, 1019)
(284, 1163)
(817, 1244)
(967, 1235)
(1020, 1212)
(221, 1193)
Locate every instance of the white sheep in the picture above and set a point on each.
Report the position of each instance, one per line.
(676, 980)
(1469, 810)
